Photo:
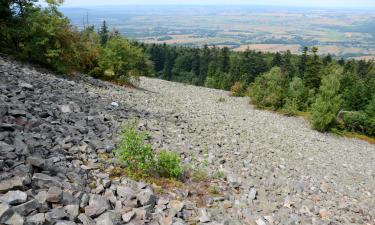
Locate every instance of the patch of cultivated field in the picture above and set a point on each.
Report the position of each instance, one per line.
(270, 48)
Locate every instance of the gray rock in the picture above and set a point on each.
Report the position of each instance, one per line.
(125, 192)
(54, 194)
(97, 205)
(260, 221)
(44, 181)
(5, 212)
(108, 218)
(65, 109)
(15, 219)
(146, 197)
(204, 216)
(176, 205)
(26, 86)
(127, 217)
(85, 220)
(41, 197)
(36, 161)
(72, 211)
(65, 222)
(11, 183)
(14, 197)
(56, 214)
(27, 207)
(234, 180)
(37, 219)
(252, 193)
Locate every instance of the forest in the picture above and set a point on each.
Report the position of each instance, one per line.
(336, 94)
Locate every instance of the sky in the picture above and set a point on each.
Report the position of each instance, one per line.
(298, 3)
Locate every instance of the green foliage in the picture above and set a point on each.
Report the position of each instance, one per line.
(138, 156)
(327, 103)
(169, 164)
(120, 60)
(141, 160)
(238, 89)
(359, 122)
(268, 89)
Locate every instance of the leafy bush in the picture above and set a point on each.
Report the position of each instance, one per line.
(359, 122)
(141, 160)
(120, 60)
(138, 157)
(168, 164)
(327, 103)
(268, 89)
(238, 89)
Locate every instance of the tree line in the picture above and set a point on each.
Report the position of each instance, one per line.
(338, 94)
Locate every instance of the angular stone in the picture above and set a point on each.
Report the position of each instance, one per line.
(37, 219)
(97, 205)
(11, 183)
(85, 220)
(252, 194)
(41, 197)
(55, 215)
(5, 212)
(26, 86)
(233, 180)
(26, 208)
(260, 222)
(14, 197)
(108, 218)
(44, 181)
(176, 205)
(72, 211)
(65, 109)
(36, 161)
(125, 192)
(145, 197)
(15, 219)
(65, 222)
(127, 217)
(54, 194)
(203, 216)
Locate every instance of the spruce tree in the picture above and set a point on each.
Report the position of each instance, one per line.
(327, 104)
(104, 33)
(303, 62)
(312, 75)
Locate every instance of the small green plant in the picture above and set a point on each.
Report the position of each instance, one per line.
(138, 157)
(218, 175)
(199, 175)
(214, 190)
(141, 160)
(168, 164)
(221, 99)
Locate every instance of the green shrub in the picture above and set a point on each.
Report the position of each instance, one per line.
(238, 89)
(120, 60)
(138, 157)
(327, 103)
(141, 160)
(268, 89)
(359, 122)
(168, 164)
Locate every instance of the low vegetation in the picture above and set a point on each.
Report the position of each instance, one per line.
(141, 160)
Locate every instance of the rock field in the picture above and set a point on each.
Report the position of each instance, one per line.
(262, 168)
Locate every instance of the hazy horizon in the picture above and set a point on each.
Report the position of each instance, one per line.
(287, 3)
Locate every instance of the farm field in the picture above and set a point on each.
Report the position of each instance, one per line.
(343, 33)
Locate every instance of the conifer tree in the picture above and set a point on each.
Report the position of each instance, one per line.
(312, 75)
(328, 102)
(104, 33)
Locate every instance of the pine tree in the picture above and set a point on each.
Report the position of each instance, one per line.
(312, 75)
(276, 61)
(104, 33)
(303, 62)
(327, 104)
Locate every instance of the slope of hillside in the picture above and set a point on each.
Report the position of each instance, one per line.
(269, 169)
